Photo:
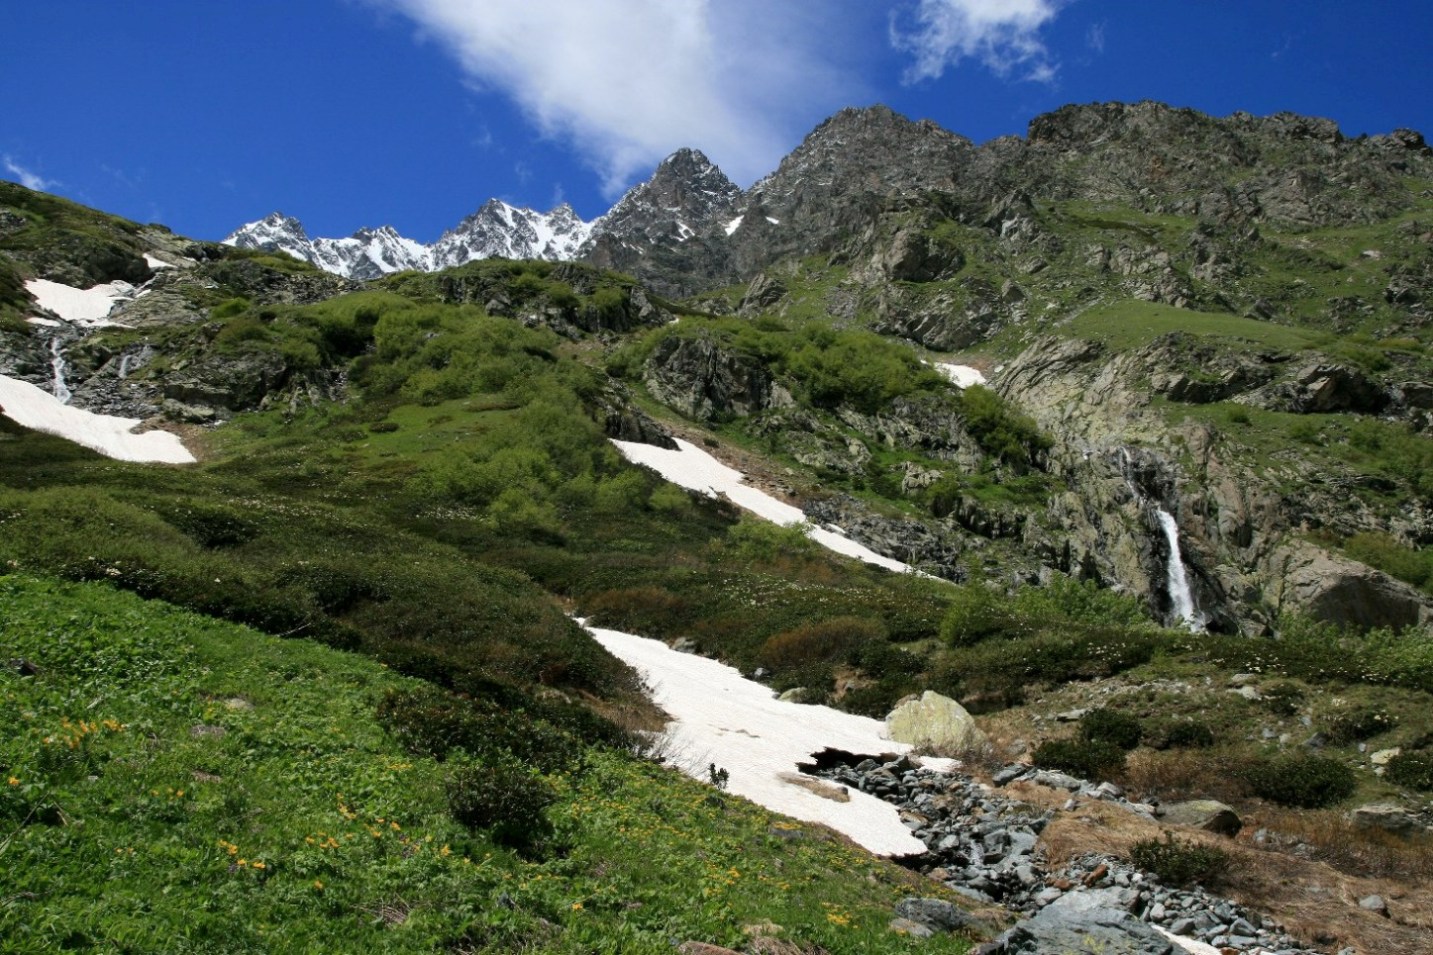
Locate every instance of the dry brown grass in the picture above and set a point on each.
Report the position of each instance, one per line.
(1314, 901)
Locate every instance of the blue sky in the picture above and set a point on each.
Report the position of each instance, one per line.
(203, 115)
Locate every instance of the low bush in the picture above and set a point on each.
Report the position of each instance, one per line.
(825, 642)
(1105, 725)
(430, 722)
(1282, 699)
(506, 798)
(1356, 725)
(1414, 770)
(1183, 734)
(1301, 780)
(1177, 862)
(1082, 758)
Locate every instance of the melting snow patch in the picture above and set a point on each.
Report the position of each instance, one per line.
(721, 718)
(113, 437)
(157, 263)
(45, 322)
(734, 224)
(694, 469)
(773, 221)
(962, 375)
(87, 307)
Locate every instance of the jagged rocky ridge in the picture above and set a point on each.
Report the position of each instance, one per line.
(919, 234)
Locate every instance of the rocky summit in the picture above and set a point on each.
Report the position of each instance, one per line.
(1095, 460)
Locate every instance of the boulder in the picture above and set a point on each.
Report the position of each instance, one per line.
(937, 915)
(1385, 816)
(1082, 923)
(1207, 814)
(934, 722)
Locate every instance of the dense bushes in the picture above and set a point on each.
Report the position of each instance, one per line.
(823, 643)
(977, 611)
(1082, 758)
(504, 797)
(1177, 862)
(1183, 734)
(1413, 769)
(1002, 671)
(430, 722)
(1105, 725)
(1301, 780)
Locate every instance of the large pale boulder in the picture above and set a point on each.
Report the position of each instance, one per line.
(1210, 815)
(935, 723)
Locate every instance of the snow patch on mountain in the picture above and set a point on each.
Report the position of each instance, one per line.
(83, 307)
(111, 436)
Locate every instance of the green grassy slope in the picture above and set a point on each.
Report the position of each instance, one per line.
(173, 783)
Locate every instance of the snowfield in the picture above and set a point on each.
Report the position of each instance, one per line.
(694, 469)
(721, 718)
(86, 307)
(113, 437)
(962, 376)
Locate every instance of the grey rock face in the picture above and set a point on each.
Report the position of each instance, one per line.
(702, 380)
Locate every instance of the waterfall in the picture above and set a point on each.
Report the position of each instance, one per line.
(57, 371)
(124, 366)
(1183, 612)
(1175, 578)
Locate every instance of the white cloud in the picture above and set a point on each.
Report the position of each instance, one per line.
(25, 177)
(630, 81)
(1004, 35)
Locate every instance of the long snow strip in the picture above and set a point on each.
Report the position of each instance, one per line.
(694, 469)
(111, 436)
(720, 718)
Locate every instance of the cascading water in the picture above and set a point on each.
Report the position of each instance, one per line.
(58, 387)
(1183, 610)
(1176, 580)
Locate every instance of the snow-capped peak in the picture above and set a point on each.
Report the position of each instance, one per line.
(495, 230)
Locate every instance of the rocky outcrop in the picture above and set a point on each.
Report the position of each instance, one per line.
(1301, 576)
(985, 845)
(703, 380)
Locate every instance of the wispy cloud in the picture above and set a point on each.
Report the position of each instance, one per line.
(1095, 38)
(25, 177)
(1003, 35)
(629, 81)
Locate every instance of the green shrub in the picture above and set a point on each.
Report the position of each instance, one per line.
(230, 308)
(1301, 780)
(1082, 758)
(1176, 862)
(209, 524)
(1184, 734)
(1105, 725)
(976, 612)
(1282, 699)
(430, 722)
(826, 642)
(1414, 770)
(505, 797)
(1356, 725)
(753, 539)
